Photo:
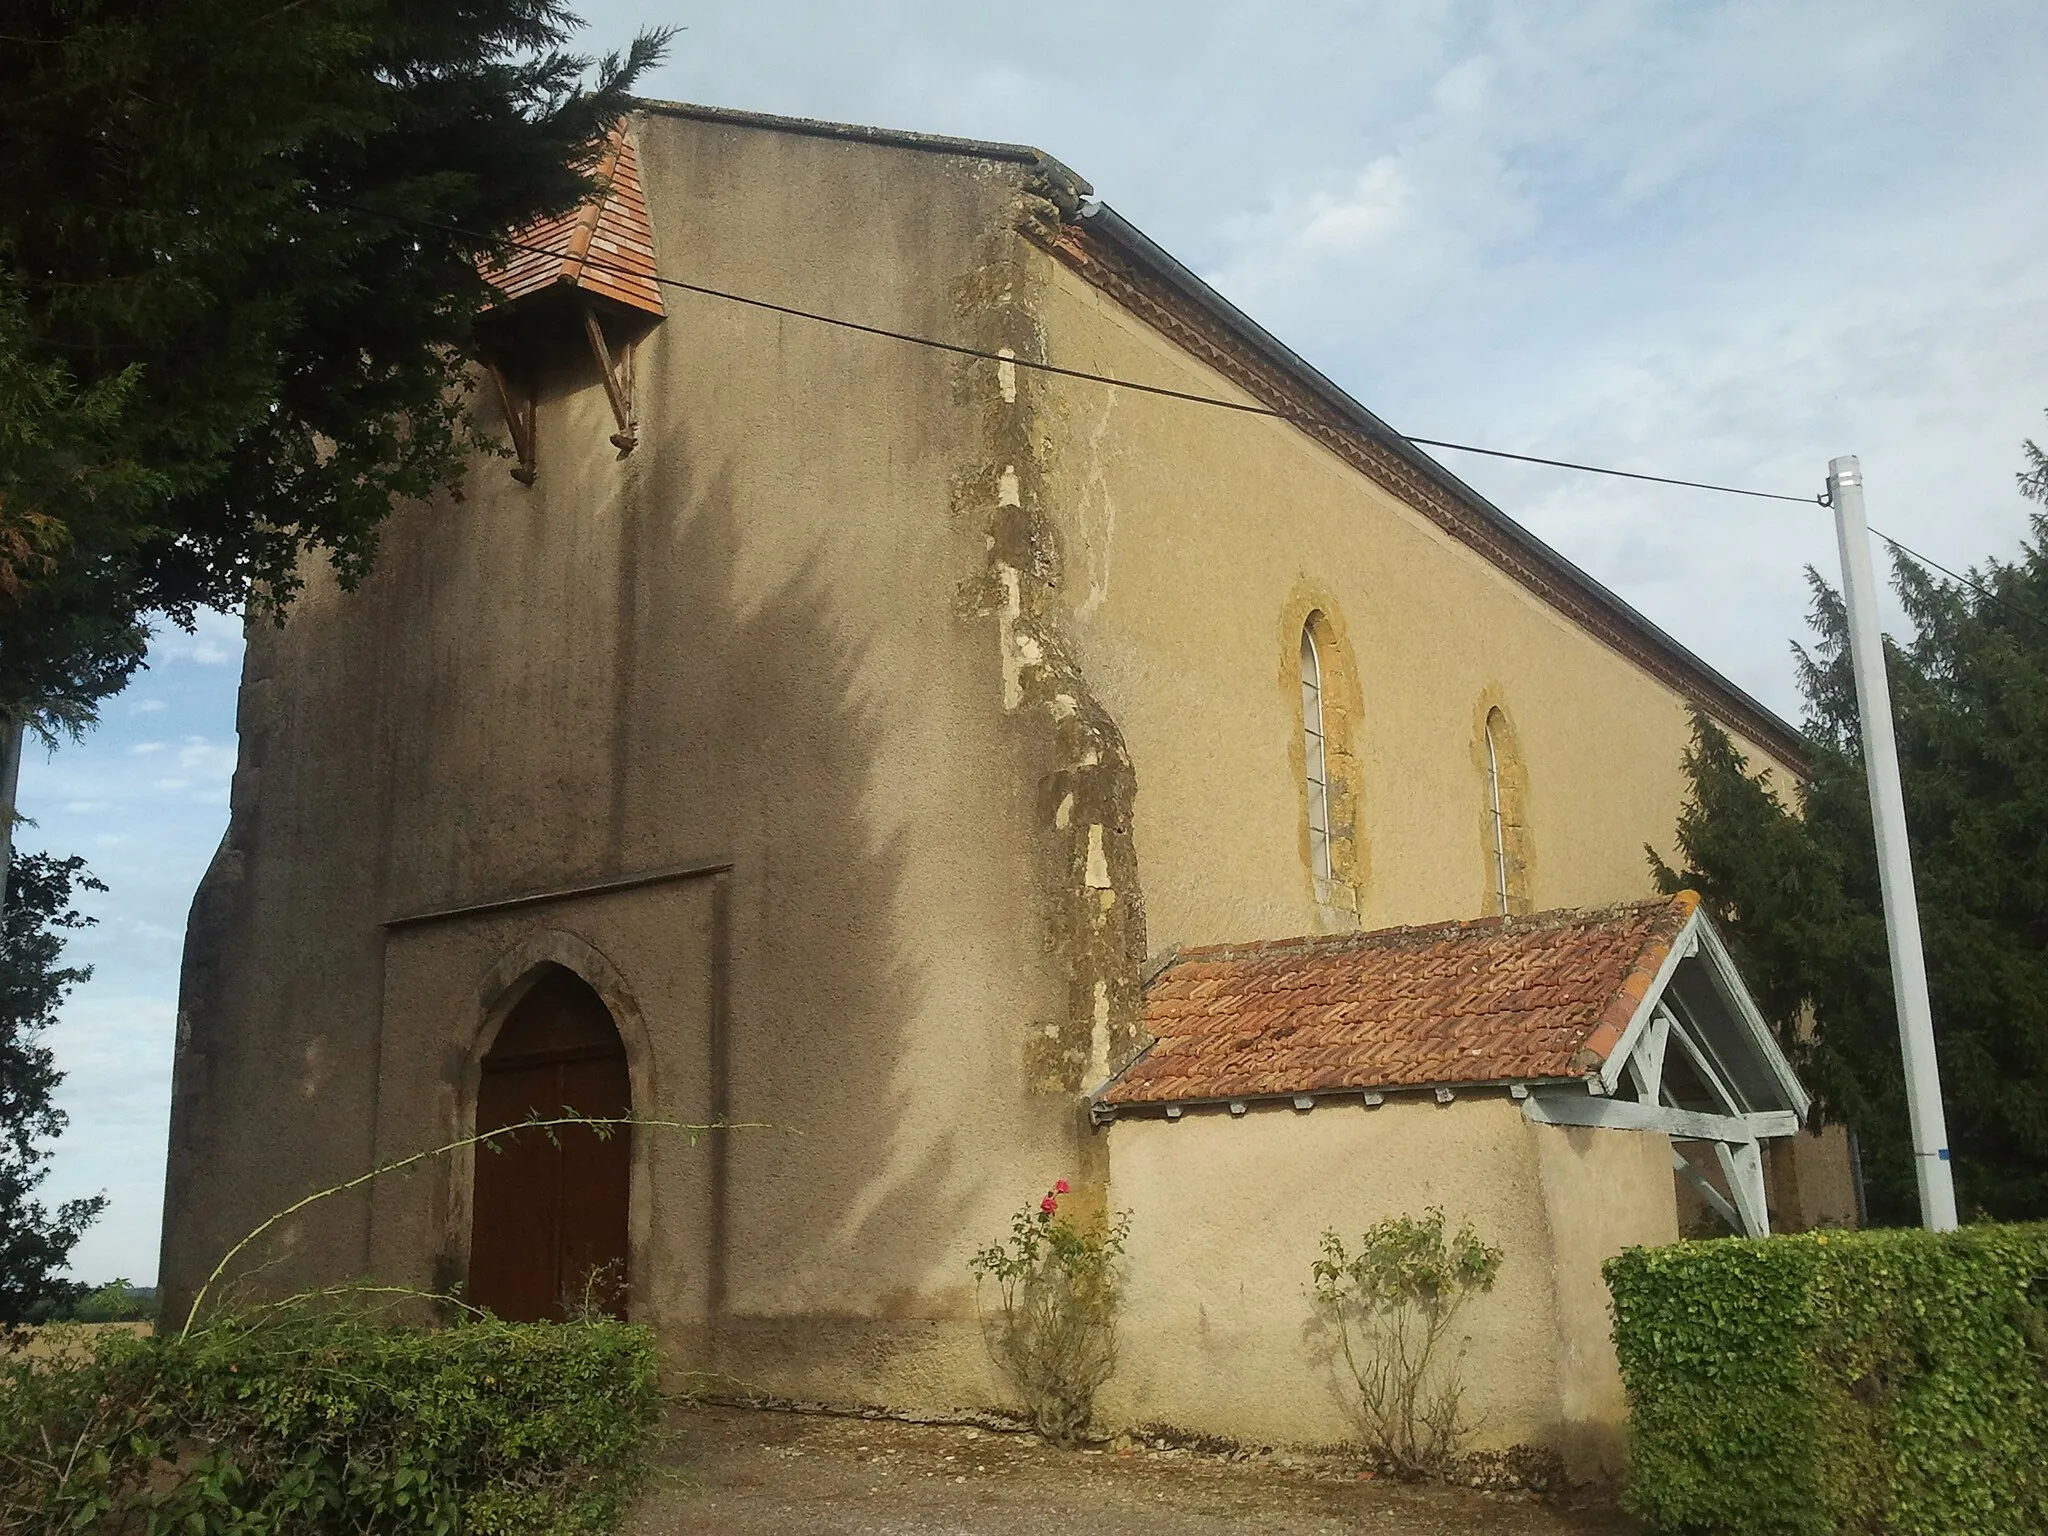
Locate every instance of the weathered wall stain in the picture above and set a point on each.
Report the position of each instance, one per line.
(1095, 511)
(1092, 905)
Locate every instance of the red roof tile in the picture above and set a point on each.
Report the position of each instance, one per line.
(1497, 1000)
(606, 247)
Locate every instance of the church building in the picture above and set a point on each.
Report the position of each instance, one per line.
(935, 692)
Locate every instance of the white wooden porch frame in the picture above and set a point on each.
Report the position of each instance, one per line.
(1734, 1133)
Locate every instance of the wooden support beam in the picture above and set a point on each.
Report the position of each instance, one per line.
(1705, 1063)
(1721, 965)
(518, 403)
(618, 382)
(1686, 1124)
(1646, 1061)
(1683, 945)
(1704, 1188)
(1742, 1163)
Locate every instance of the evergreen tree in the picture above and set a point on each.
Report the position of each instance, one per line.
(1795, 885)
(238, 280)
(34, 1241)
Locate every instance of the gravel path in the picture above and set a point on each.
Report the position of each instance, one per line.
(740, 1472)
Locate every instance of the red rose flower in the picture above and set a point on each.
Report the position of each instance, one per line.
(1048, 1205)
(1060, 1188)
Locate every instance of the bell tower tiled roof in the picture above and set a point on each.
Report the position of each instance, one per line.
(605, 248)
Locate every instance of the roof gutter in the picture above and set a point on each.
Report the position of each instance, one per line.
(1101, 1111)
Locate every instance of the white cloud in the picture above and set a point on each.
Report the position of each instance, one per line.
(213, 756)
(215, 639)
(1463, 89)
(1373, 209)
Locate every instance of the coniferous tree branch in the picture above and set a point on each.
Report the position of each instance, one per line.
(213, 364)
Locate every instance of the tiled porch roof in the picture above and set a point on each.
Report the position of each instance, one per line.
(1514, 999)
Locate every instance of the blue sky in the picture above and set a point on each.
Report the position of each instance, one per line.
(144, 798)
(1723, 241)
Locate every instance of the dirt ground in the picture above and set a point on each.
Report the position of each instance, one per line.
(750, 1472)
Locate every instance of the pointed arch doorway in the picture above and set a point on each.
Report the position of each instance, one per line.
(548, 1234)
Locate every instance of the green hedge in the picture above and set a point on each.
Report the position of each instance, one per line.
(300, 1421)
(1847, 1381)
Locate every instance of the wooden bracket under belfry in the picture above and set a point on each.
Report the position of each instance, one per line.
(617, 369)
(518, 403)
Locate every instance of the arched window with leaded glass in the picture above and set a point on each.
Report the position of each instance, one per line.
(1315, 756)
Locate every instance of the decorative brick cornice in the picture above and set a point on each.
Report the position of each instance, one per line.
(1318, 409)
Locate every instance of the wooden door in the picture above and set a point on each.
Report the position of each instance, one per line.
(549, 1230)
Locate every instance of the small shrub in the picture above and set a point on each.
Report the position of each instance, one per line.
(115, 1302)
(1393, 1304)
(1837, 1382)
(303, 1419)
(1053, 1331)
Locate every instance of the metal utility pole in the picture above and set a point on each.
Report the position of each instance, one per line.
(1894, 858)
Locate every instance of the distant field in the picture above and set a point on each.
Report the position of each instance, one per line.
(64, 1338)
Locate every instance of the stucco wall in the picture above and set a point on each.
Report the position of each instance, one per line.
(1222, 1333)
(742, 643)
(1200, 539)
(1603, 1191)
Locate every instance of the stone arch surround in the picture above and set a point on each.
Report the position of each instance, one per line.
(500, 990)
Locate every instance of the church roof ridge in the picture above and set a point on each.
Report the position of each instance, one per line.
(1114, 254)
(861, 133)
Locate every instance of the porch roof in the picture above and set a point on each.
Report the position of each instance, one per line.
(1532, 999)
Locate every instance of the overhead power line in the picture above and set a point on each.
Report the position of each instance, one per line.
(1191, 397)
(1623, 474)
(959, 349)
(1984, 592)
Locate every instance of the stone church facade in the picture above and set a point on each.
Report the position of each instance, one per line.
(853, 728)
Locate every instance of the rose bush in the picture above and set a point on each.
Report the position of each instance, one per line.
(1052, 1332)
